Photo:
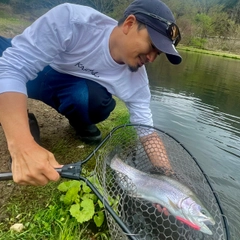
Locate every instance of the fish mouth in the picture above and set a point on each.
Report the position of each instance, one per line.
(208, 221)
(205, 229)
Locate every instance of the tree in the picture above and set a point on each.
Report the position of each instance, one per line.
(234, 13)
(221, 23)
(204, 25)
(229, 4)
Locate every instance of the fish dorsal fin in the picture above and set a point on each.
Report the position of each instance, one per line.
(172, 204)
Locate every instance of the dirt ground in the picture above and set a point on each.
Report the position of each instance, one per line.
(52, 126)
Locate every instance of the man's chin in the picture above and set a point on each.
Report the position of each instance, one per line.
(133, 68)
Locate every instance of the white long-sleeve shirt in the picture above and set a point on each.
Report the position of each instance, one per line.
(74, 39)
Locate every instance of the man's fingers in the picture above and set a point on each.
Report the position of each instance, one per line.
(40, 180)
(36, 171)
(51, 174)
(161, 209)
(166, 212)
(53, 162)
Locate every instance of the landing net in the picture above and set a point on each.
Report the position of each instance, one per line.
(141, 217)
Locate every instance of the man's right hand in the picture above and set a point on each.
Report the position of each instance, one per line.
(33, 165)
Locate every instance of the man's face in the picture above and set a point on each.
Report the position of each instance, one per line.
(139, 49)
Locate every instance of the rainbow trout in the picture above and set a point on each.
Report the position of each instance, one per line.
(180, 201)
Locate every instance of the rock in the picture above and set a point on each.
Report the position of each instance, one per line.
(17, 227)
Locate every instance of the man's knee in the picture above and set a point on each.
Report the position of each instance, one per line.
(100, 102)
(4, 44)
(85, 102)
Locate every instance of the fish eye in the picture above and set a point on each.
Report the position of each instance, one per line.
(203, 211)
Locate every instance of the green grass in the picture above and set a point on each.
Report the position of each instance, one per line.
(210, 52)
(10, 26)
(40, 210)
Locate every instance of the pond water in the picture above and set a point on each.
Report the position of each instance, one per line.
(198, 103)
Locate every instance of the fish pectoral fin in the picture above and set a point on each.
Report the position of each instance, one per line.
(173, 205)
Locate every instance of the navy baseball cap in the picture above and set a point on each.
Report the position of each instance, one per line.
(160, 24)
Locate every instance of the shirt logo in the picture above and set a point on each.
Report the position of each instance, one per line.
(84, 69)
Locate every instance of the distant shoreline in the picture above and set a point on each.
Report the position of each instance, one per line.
(210, 52)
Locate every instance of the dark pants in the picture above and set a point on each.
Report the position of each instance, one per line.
(80, 100)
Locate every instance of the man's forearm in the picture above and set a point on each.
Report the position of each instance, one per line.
(13, 118)
(156, 152)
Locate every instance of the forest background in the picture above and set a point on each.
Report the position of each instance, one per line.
(205, 24)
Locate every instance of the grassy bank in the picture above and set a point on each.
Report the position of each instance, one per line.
(210, 52)
(12, 24)
(41, 210)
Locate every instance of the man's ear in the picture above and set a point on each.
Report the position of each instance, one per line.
(129, 22)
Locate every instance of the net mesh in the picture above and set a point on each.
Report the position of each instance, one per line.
(139, 215)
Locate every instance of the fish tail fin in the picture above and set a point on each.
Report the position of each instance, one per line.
(116, 162)
(113, 155)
